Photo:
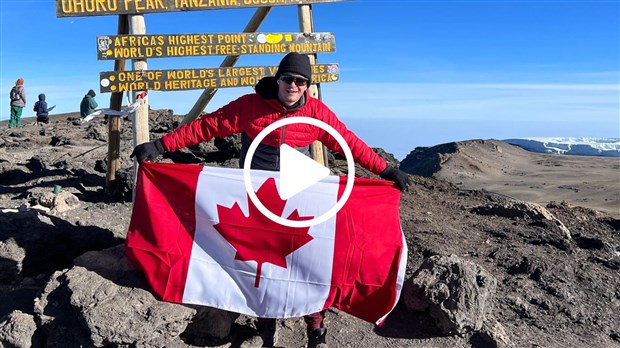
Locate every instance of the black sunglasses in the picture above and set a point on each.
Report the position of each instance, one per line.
(299, 81)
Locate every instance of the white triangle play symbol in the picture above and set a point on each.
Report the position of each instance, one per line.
(298, 172)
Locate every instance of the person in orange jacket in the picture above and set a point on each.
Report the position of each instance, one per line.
(18, 101)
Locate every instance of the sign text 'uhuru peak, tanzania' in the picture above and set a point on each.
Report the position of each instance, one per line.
(76, 8)
(184, 79)
(180, 45)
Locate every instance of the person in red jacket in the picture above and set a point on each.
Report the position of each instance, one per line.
(276, 97)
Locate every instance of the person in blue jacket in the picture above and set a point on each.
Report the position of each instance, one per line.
(40, 107)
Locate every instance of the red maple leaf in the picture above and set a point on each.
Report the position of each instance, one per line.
(256, 237)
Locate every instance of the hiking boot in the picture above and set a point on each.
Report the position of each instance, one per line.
(317, 338)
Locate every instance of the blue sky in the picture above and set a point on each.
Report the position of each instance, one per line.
(413, 73)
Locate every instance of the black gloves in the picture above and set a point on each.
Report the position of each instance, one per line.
(148, 151)
(398, 176)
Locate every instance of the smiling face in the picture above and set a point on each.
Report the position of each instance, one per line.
(290, 93)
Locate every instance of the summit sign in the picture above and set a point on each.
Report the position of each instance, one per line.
(180, 45)
(78, 8)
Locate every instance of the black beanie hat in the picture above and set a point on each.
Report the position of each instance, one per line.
(91, 93)
(295, 63)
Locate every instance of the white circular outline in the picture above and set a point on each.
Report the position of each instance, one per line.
(299, 223)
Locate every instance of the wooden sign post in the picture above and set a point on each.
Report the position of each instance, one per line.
(138, 46)
(306, 25)
(114, 122)
(137, 26)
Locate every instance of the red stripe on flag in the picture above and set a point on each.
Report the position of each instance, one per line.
(367, 252)
(162, 227)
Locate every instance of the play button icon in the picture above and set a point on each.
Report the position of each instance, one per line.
(298, 172)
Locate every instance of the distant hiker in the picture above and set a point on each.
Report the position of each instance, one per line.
(40, 107)
(277, 97)
(18, 101)
(88, 104)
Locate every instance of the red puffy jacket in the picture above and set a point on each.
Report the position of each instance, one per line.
(252, 113)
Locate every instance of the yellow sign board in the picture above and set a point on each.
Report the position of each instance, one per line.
(186, 79)
(78, 8)
(182, 45)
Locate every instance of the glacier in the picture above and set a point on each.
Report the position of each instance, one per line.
(608, 147)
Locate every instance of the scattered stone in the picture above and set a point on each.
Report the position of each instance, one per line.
(19, 330)
(11, 260)
(36, 164)
(59, 203)
(123, 185)
(96, 132)
(101, 166)
(65, 201)
(58, 140)
(229, 146)
(209, 325)
(492, 335)
(520, 209)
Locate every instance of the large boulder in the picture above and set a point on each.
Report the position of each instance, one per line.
(104, 302)
(456, 293)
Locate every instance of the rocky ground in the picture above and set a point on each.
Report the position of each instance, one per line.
(484, 269)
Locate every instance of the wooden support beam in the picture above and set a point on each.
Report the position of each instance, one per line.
(114, 122)
(141, 115)
(306, 25)
(206, 96)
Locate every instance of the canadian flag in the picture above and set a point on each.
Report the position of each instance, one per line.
(199, 239)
